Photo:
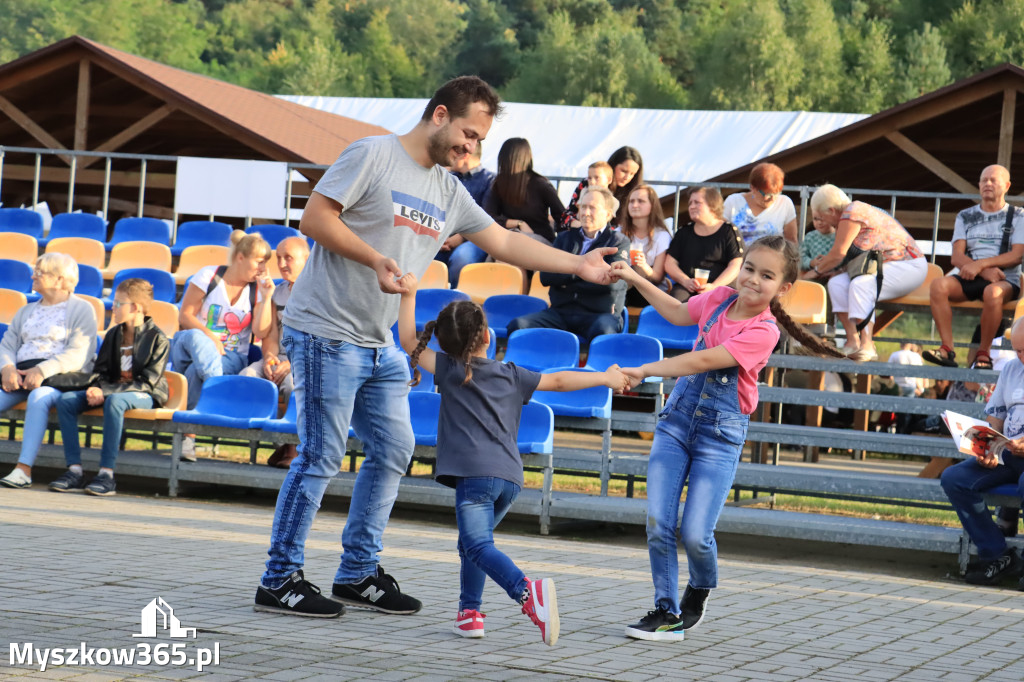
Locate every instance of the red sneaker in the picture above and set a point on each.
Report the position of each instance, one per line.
(541, 606)
(469, 623)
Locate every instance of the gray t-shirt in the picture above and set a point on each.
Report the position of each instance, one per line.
(479, 422)
(402, 210)
(983, 233)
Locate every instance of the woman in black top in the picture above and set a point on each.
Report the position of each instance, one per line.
(706, 242)
(520, 198)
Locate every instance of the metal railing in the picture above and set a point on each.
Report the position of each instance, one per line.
(675, 187)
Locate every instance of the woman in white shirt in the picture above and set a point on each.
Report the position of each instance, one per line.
(643, 224)
(764, 210)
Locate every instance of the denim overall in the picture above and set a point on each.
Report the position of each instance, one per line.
(700, 436)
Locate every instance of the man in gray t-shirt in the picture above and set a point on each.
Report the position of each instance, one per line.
(383, 209)
(988, 243)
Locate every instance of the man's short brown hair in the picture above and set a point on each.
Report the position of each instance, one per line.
(138, 291)
(458, 94)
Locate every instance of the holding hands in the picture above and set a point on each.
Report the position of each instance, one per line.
(408, 284)
(616, 379)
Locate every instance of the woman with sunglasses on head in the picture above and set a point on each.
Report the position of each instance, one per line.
(763, 211)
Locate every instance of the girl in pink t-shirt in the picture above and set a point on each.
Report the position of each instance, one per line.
(701, 431)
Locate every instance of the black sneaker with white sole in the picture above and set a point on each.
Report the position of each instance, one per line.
(68, 482)
(378, 592)
(658, 626)
(692, 606)
(991, 572)
(297, 597)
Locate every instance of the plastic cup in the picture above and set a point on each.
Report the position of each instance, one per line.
(634, 256)
(701, 275)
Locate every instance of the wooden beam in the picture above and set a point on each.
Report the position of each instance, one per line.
(88, 177)
(130, 132)
(920, 155)
(30, 126)
(1006, 127)
(82, 105)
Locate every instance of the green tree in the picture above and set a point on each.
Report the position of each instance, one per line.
(924, 66)
(489, 47)
(815, 32)
(606, 63)
(868, 62)
(753, 65)
(982, 34)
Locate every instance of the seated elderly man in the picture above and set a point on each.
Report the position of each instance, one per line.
(578, 306)
(292, 254)
(988, 243)
(965, 482)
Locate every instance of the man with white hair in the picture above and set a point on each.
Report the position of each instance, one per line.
(578, 306)
(965, 482)
(988, 243)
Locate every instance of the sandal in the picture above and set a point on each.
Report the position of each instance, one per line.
(982, 361)
(943, 355)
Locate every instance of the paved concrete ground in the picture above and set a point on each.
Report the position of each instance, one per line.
(79, 569)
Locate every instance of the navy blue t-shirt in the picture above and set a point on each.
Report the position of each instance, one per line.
(479, 421)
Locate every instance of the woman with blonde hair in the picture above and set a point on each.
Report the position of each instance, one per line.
(222, 309)
(54, 335)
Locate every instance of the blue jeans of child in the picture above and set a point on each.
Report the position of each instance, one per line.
(337, 382)
(480, 505)
(195, 355)
(964, 482)
(37, 415)
(73, 403)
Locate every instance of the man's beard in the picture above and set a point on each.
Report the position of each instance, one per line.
(438, 147)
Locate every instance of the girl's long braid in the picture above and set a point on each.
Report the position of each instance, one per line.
(798, 332)
(478, 323)
(428, 331)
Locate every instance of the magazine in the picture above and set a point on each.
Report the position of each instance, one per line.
(973, 436)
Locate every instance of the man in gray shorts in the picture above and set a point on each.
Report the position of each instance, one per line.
(383, 209)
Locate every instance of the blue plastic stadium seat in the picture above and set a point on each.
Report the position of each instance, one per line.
(1008, 489)
(424, 409)
(536, 429)
(426, 384)
(90, 281)
(671, 336)
(201, 233)
(503, 308)
(84, 225)
(232, 401)
(3, 329)
(430, 302)
(286, 424)
(273, 233)
(15, 275)
(626, 350)
(164, 287)
(21, 220)
(543, 350)
(588, 402)
(140, 230)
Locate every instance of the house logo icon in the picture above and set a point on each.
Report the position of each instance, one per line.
(159, 613)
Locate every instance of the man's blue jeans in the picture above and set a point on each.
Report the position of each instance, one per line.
(702, 445)
(480, 504)
(37, 415)
(580, 322)
(459, 257)
(964, 482)
(337, 382)
(195, 355)
(73, 403)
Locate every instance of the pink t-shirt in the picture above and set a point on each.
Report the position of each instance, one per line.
(750, 341)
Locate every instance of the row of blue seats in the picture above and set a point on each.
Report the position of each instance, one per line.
(192, 233)
(219, 406)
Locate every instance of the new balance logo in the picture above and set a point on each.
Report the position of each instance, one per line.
(372, 593)
(291, 599)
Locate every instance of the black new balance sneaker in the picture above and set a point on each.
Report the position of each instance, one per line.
(67, 482)
(991, 572)
(378, 592)
(692, 606)
(658, 626)
(297, 597)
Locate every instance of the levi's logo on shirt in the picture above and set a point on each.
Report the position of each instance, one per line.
(420, 216)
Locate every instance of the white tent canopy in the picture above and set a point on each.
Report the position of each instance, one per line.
(675, 145)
